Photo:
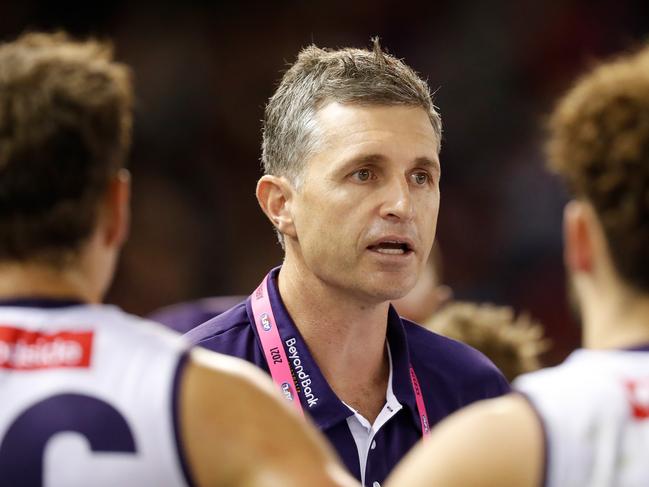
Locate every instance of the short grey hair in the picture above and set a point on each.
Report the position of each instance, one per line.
(320, 76)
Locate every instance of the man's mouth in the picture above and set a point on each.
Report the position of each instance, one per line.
(391, 247)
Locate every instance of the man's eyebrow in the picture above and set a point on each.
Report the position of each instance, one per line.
(366, 159)
(432, 164)
(369, 159)
(362, 160)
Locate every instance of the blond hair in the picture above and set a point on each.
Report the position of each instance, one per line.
(513, 343)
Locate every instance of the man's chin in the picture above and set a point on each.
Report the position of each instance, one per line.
(392, 292)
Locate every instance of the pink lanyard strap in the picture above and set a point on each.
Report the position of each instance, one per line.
(421, 405)
(271, 344)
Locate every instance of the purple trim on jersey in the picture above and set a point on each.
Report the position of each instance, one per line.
(175, 415)
(38, 302)
(546, 442)
(451, 375)
(637, 348)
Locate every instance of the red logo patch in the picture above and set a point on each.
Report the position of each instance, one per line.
(29, 350)
(638, 396)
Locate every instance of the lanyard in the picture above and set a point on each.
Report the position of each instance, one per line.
(277, 361)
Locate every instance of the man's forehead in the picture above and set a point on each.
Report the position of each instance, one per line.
(336, 122)
(332, 110)
(341, 125)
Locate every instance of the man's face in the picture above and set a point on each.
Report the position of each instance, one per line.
(366, 209)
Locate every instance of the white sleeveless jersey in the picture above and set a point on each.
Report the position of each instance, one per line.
(595, 411)
(87, 398)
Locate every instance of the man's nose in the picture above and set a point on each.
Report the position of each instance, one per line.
(397, 202)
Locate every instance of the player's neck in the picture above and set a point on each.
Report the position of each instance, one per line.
(346, 337)
(29, 280)
(618, 320)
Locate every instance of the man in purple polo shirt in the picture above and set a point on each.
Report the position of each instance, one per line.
(350, 150)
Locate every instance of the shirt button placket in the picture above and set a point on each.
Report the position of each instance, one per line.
(369, 456)
(372, 447)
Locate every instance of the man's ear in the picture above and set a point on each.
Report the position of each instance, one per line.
(117, 209)
(275, 196)
(578, 237)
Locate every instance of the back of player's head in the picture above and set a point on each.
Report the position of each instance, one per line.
(599, 144)
(320, 76)
(513, 343)
(65, 129)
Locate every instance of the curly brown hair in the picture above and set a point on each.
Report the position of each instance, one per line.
(513, 343)
(599, 144)
(65, 129)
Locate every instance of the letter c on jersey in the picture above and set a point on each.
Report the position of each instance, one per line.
(22, 448)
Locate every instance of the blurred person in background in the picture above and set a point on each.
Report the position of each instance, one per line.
(90, 394)
(351, 156)
(513, 343)
(183, 317)
(586, 421)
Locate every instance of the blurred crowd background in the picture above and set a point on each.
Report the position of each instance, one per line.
(204, 71)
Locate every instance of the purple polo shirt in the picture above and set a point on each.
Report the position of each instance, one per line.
(451, 375)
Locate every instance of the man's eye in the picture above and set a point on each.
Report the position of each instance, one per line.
(363, 175)
(421, 178)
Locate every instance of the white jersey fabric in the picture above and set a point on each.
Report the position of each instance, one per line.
(87, 398)
(595, 411)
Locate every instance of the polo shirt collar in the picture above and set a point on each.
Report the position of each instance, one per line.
(401, 362)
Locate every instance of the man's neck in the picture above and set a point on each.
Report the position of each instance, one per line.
(25, 280)
(345, 335)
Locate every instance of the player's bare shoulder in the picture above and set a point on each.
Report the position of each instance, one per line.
(257, 438)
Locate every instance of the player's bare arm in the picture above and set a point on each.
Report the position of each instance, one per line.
(475, 447)
(238, 431)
